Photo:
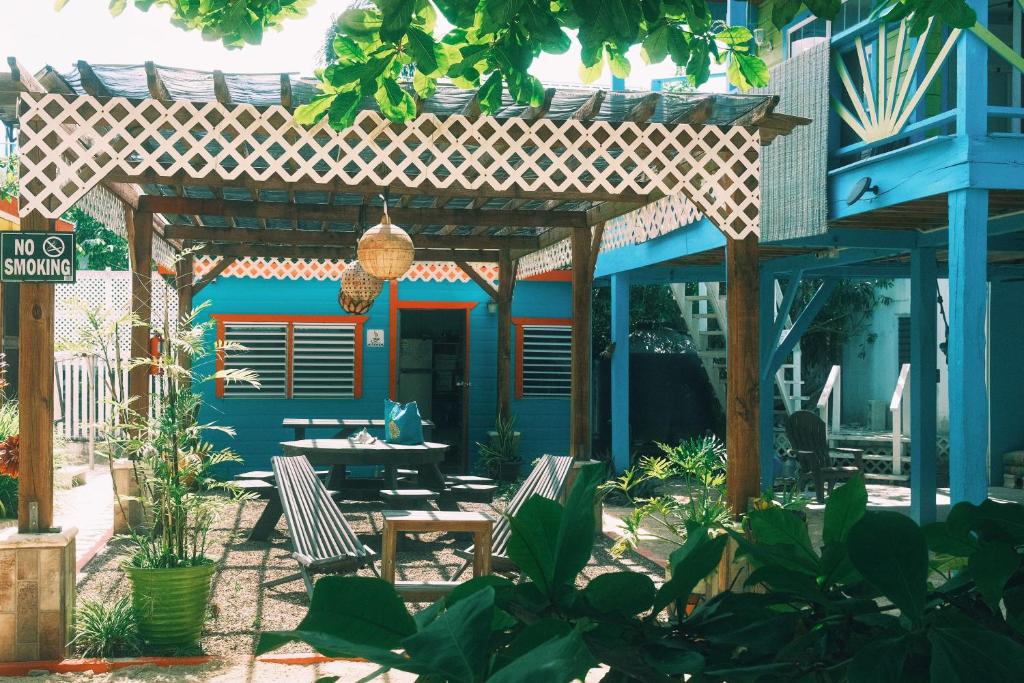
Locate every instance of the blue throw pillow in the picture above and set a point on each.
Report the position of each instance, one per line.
(402, 423)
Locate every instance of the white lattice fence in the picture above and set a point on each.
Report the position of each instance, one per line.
(109, 291)
(83, 389)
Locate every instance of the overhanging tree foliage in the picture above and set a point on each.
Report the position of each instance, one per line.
(490, 45)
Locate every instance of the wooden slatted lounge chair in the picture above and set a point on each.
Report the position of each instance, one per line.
(547, 479)
(322, 541)
(806, 432)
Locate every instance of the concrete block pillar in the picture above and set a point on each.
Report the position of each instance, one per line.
(127, 507)
(37, 595)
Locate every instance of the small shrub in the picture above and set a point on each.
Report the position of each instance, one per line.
(103, 630)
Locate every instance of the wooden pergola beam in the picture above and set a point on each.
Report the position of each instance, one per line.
(759, 113)
(286, 91)
(537, 113)
(698, 114)
(338, 239)
(92, 83)
(589, 109)
(186, 206)
(644, 109)
(148, 177)
(217, 269)
(157, 88)
(220, 88)
(476, 277)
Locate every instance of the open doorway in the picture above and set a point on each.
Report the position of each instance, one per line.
(432, 371)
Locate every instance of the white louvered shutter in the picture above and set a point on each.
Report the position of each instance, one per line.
(323, 360)
(547, 360)
(266, 353)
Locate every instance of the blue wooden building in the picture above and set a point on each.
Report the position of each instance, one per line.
(912, 169)
(430, 337)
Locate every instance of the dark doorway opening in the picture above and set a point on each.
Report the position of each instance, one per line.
(432, 371)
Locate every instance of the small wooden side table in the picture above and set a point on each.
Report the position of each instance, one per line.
(397, 521)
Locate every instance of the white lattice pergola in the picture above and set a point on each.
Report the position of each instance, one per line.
(70, 143)
(226, 172)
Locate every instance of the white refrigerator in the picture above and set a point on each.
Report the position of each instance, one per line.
(416, 374)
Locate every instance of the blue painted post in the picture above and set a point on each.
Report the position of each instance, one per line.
(972, 78)
(618, 84)
(923, 294)
(620, 370)
(766, 397)
(968, 397)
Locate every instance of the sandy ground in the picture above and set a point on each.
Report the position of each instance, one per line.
(241, 607)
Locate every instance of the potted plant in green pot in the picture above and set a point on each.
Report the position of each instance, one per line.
(500, 455)
(168, 568)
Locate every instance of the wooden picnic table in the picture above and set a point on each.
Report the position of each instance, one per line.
(340, 453)
(345, 427)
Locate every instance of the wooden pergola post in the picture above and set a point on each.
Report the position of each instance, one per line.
(742, 428)
(183, 284)
(584, 257)
(35, 398)
(140, 249)
(506, 287)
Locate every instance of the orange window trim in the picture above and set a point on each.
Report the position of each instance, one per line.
(518, 324)
(358, 320)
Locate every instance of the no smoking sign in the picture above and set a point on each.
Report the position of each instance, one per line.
(37, 257)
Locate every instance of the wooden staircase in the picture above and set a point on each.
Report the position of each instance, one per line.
(703, 308)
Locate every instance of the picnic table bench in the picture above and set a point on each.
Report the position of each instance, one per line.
(343, 427)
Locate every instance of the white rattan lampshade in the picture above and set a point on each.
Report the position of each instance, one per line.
(385, 250)
(358, 289)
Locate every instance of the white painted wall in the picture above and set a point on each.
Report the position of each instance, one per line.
(873, 377)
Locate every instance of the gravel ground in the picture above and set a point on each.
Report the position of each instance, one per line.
(241, 607)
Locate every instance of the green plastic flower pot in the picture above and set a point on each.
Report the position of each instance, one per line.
(170, 604)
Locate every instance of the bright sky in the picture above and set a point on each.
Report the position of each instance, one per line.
(37, 35)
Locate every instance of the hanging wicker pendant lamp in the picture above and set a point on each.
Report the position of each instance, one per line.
(358, 289)
(385, 250)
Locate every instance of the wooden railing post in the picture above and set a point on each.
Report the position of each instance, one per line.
(742, 430)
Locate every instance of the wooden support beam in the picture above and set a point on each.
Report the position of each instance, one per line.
(350, 213)
(698, 114)
(476, 277)
(286, 91)
(183, 283)
(923, 369)
(157, 88)
(334, 238)
(219, 268)
(472, 107)
(91, 83)
(537, 113)
(968, 301)
(507, 269)
(582, 283)
(35, 397)
(140, 252)
(589, 109)
(220, 88)
(758, 113)
(643, 110)
(742, 426)
(424, 189)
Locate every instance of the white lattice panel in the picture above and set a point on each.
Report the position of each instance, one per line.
(104, 206)
(553, 257)
(109, 291)
(718, 168)
(310, 269)
(650, 221)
